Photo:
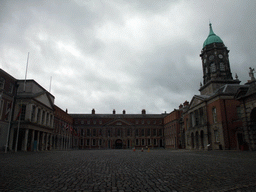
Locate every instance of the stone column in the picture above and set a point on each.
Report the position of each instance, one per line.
(46, 142)
(11, 139)
(32, 140)
(25, 140)
(38, 141)
(50, 148)
(43, 141)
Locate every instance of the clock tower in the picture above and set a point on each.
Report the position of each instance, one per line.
(215, 64)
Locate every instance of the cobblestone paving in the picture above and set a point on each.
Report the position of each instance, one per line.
(125, 170)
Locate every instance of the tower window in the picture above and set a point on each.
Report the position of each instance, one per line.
(222, 66)
(213, 67)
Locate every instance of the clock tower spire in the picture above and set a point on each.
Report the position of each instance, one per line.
(215, 64)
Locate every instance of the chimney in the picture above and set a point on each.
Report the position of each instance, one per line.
(93, 111)
(181, 106)
(66, 110)
(123, 111)
(143, 111)
(114, 111)
(186, 103)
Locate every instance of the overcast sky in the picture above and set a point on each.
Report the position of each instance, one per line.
(130, 55)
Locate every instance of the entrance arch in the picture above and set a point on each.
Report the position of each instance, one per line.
(197, 140)
(202, 139)
(119, 144)
(192, 140)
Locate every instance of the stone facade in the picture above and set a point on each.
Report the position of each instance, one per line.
(32, 125)
(63, 126)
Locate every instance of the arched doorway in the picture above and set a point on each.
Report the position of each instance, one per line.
(202, 139)
(119, 144)
(197, 140)
(192, 140)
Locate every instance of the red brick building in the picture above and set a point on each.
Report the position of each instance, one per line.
(119, 131)
(212, 120)
(7, 93)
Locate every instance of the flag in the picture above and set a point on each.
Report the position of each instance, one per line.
(18, 115)
(8, 111)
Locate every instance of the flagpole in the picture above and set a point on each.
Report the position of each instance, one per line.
(9, 126)
(24, 89)
(26, 73)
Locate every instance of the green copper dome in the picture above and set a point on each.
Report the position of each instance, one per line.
(212, 38)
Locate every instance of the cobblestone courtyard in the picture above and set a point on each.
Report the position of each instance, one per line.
(125, 170)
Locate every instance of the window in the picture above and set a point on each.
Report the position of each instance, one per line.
(148, 122)
(38, 115)
(214, 115)
(142, 122)
(118, 132)
(82, 132)
(136, 132)
(142, 132)
(82, 122)
(93, 142)
(100, 132)
(213, 67)
(109, 132)
(222, 66)
(87, 142)
(33, 113)
(216, 136)
(148, 132)
(155, 141)
(8, 111)
(47, 118)
(82, 142)
(94, 122)
(100, 122)
(160, 132)
(137, 141)
(128, 132)
(100, 142)
(88, 132)
(94, 132)
(23, 112)
(154, 132)
(88, 122)
(239, 112)
(2, 81)
(1, 108)
(142, 142)
(11, 88)
(149, 142)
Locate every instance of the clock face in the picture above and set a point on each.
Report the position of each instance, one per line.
(220, 56)
(211, 57)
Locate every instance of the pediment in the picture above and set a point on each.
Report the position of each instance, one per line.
(118, 122)
(44, 99)
(196, 100)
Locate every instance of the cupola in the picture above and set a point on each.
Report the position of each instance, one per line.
(212, 38)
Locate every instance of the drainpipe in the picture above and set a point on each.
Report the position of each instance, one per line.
(246, 124)
(227, 123)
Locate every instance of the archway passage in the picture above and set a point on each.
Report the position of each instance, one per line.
(119, 144)
(202, 139)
